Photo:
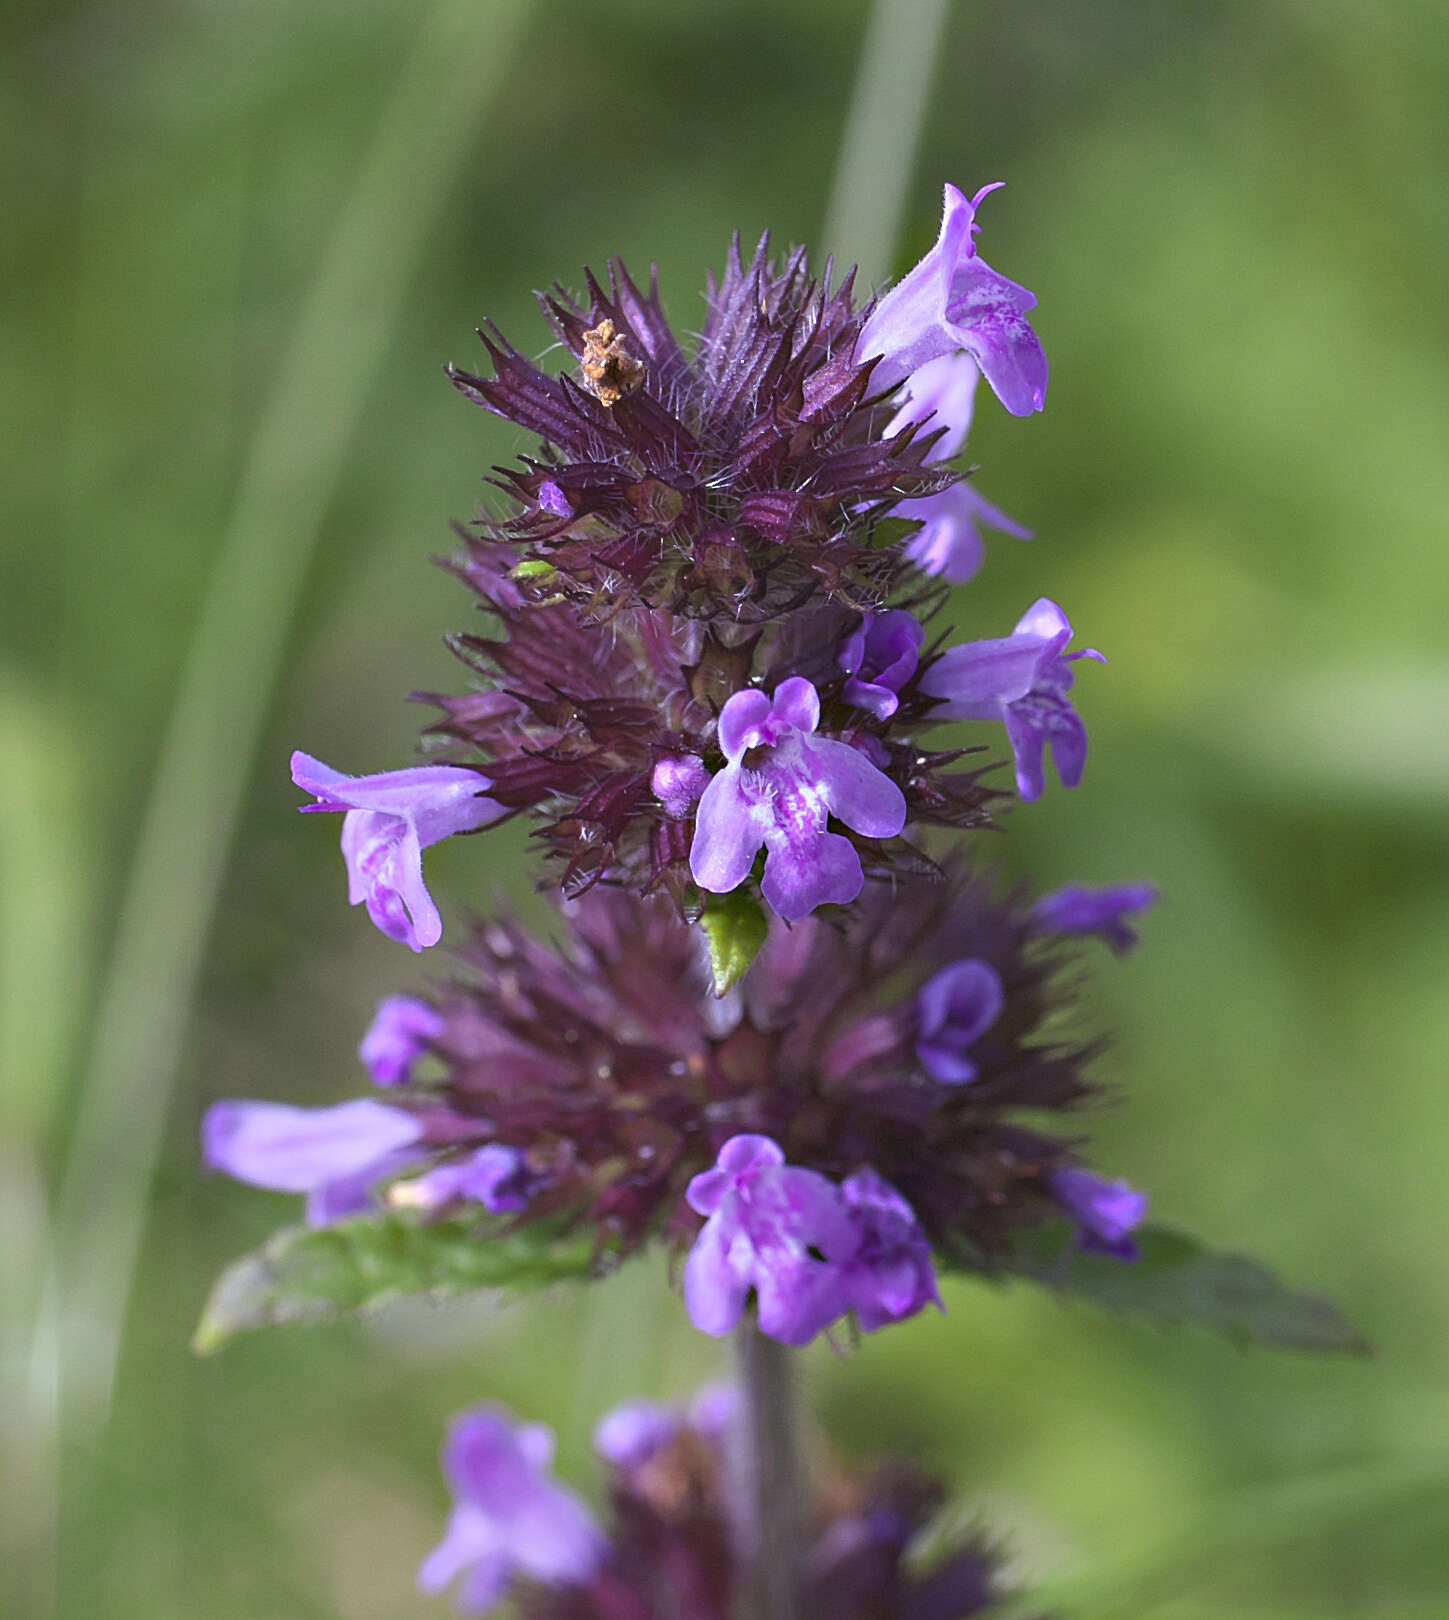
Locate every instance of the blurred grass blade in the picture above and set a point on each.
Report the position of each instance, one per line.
(1178, 1280)
(291, 471)
(882, 133)
(308, 1274)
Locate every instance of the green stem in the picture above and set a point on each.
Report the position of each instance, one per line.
(775, 1486)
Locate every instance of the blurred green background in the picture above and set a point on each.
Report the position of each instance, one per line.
(239, 242)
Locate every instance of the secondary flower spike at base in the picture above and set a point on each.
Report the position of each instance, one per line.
(511, 1518)
(780, 784)
(389, 820)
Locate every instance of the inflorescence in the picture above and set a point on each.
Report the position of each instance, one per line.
(779, 1033)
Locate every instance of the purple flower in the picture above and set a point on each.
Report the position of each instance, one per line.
(954, 300)
(391, 818)
(954, 1010)
(1022, 680)
(782, 1231)
(334, 1155)
(1105, 1211)
(1077, 908)
(779, 787)
(400, 1032)
(631, 1434)
(880, 656)
(494, 1176)
(510, 1517)
(948, 544)
(891, 1276)
(677, 782)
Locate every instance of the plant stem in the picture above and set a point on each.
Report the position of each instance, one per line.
(772, 1464)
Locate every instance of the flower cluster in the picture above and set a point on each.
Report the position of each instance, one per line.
(853, 1104)
(711, 597)
(678, 1538)
(782, 1032)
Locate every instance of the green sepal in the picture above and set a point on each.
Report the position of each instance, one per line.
(314, 1274)
(736, 927)
(1177, 1280)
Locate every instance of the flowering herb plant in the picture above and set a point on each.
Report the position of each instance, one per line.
(785, 1028)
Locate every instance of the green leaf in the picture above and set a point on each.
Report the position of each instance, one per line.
(313, 1274)
(1178, 1280)
(736, 927)
(532, 568)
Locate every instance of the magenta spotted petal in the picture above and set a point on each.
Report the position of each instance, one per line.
(389, 820)
(780, 785)
(1021, 680)
(510, 1516)
(954, 300)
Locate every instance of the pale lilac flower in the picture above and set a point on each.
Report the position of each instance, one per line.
(939, 395)
(880, 656)
(401, 1031)
(493, 1175)
(552, 499)
(775, 1229)
(779, 787)
(954, 1009)
(948, 545)
(954, 300)
(337, 1156)
(1105, 1212)
(1077, 908)
(391, 818)
(631, 1434)
(891, 1276)
(1022, 680)
(677, 782)
(510, 1516)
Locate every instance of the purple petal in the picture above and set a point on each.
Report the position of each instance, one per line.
(1045, 620)
(631, 1434)
(1077, 908)
(863, 797)
(401, 1030)
(748, 1154)
(949, 543)
(1028, 737)
(287, 1149)
(802, 874)
(939, 394)
(357, 1194)
(1106, 1212)
(494, 1176)
(716, 1278)
(976, 679)
(955, 1008)
(989, 314)
(741, 722)
(677, 782)
(726, 833)
(796, 703)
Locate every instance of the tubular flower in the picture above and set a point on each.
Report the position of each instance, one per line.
(510, 1516)
(773, 1229)
(1022, 680)
(1106, 1212)
(879, 658)
(938, 397)
(389, 820)
(398, 1036)
(337, 1156)
(1077, 908)
(780, 784)
(890, 1276)
(954, 300)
